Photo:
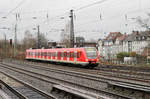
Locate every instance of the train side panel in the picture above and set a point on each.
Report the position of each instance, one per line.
(64, 55)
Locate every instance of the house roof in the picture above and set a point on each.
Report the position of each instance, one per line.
(122, 37)
(132, 37)
(113, 35)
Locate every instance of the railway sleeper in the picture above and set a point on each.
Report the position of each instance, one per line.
(133, 93)
(11, 89)
(74, 92)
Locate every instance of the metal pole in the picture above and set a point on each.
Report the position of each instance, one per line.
(5, 44)
(15, 37)
(147, 54)
(15, 41)
(71, 30)
(38, 37)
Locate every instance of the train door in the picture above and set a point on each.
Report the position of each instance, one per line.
(68, 56)
(38, 54)
(72, 56)
(55, 55)
(62, 55)
(78, 56)
(33, 55)
(75, 56)
(41, 54)
(45, 54)
(49, 55)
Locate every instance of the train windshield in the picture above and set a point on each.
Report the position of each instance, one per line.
(91, 52)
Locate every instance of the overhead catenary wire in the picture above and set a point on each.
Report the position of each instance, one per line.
(58, 16)
(15, 8)
(80, 8)
(89, 5)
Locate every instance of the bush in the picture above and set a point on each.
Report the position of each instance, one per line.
(133, 54)
(121, 55)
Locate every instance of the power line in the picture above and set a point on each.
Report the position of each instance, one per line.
(89, 5)
(15, 7)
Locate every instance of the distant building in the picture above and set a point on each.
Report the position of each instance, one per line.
(137, 42)
(52, 44)
(107, 47)
(79, 41)
(116, 42)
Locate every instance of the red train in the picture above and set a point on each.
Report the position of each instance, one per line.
(87, 56)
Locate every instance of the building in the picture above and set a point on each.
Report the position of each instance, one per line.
(137, 42)
(116, 42)
(107, 47)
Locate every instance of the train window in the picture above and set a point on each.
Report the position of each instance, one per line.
(65, 54)
(70, 54)
(39, 53)
(45, 53)
(60, 54)
(77, 54)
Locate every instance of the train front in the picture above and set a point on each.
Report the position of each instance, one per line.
(92, 56)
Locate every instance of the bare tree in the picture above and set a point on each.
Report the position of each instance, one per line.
(43, 41)
(65, 37)
(28, 41)
(145, 23)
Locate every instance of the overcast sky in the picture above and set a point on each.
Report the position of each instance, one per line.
(88, 22)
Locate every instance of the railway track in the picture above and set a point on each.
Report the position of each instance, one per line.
(21, 90)
(105, 80)
(138, 76)
(84, 82)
